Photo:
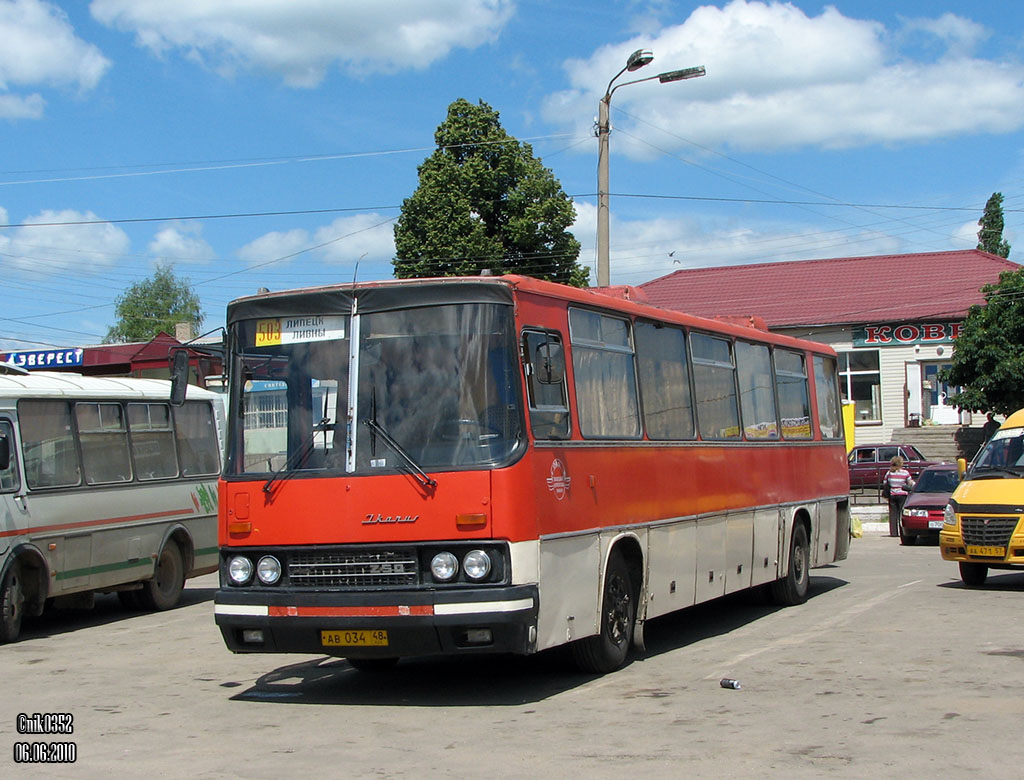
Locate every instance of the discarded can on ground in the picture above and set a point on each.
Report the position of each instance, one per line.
(727, 683)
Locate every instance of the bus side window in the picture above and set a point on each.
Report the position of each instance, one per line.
(544, 365)
(9, 480)
(196, 434)
(48, 442)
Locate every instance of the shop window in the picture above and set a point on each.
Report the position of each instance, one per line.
(860, 381)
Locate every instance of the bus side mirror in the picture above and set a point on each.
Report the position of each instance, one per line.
(179, 376)
(5, 453)
(961, 467)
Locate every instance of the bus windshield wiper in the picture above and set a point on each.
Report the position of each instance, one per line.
(291, 464)
(417, 472)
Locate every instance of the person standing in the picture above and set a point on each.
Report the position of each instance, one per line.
(897, 482)
(990, 427)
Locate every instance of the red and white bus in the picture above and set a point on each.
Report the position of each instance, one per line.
(501, 464)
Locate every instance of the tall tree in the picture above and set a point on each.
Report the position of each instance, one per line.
(990, 236)
(485, 202)
(988, 360)
(153, 305)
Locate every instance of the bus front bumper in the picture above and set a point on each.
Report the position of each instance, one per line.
(379, 624)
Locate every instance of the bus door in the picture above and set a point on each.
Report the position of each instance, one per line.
(12, 506)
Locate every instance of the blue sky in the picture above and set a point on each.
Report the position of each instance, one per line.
(269, 143)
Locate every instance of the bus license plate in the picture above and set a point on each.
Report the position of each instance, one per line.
(357, 638)
(987, 552)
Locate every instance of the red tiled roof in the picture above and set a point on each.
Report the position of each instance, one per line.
(843, 290)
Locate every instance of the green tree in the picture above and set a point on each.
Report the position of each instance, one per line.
(988, 360)
(990, 236)
(485, 202)
(153, 305)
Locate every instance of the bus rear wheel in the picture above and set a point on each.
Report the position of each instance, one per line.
(973, 574)
(164, 589)
(607, 651)
(12, 599)
(792, 589)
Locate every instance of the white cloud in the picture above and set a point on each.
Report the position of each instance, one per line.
(300, 39)
(40, 48)
(181, 244)
(960, 35)
(778, 78)
(274, 246)
(48, 249)
(345, 241)
(645, 249)
(371, 235)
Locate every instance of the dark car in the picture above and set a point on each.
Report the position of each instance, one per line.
(922, 512)
(869, 462)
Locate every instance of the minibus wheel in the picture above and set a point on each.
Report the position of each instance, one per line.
(12, 599)
(164, 589)
(606, 651)
(973, 574)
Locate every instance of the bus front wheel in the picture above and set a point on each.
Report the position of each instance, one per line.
(164, 589)
(606, 651)
(12, 597)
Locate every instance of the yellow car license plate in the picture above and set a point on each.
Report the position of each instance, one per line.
(988, 552)
(355, 638)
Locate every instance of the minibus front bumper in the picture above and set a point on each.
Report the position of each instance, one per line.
(380, 624)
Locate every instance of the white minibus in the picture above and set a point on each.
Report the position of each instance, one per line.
(104, 487)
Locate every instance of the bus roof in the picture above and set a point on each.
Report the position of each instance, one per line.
(615, 298)
(52, 384)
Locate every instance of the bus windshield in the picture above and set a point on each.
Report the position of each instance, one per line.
(1003, 454)
(437, 389)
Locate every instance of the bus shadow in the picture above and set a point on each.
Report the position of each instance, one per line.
(475, 681)
(420, 682)
(714, 618)
(107, 609)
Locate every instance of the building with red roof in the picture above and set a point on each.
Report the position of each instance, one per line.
(891, 318)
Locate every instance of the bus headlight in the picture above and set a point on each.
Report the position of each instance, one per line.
(240, 570)
(476, 564)
(268, 570)
(948, 515)
(444, 566)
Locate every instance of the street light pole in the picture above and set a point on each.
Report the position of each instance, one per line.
(636, 60)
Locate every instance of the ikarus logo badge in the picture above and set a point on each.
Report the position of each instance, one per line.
(559, 481)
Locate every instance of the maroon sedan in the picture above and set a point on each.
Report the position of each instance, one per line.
(922, 512)
(869, 462)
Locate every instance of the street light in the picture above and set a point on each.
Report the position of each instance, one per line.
(636, 60)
